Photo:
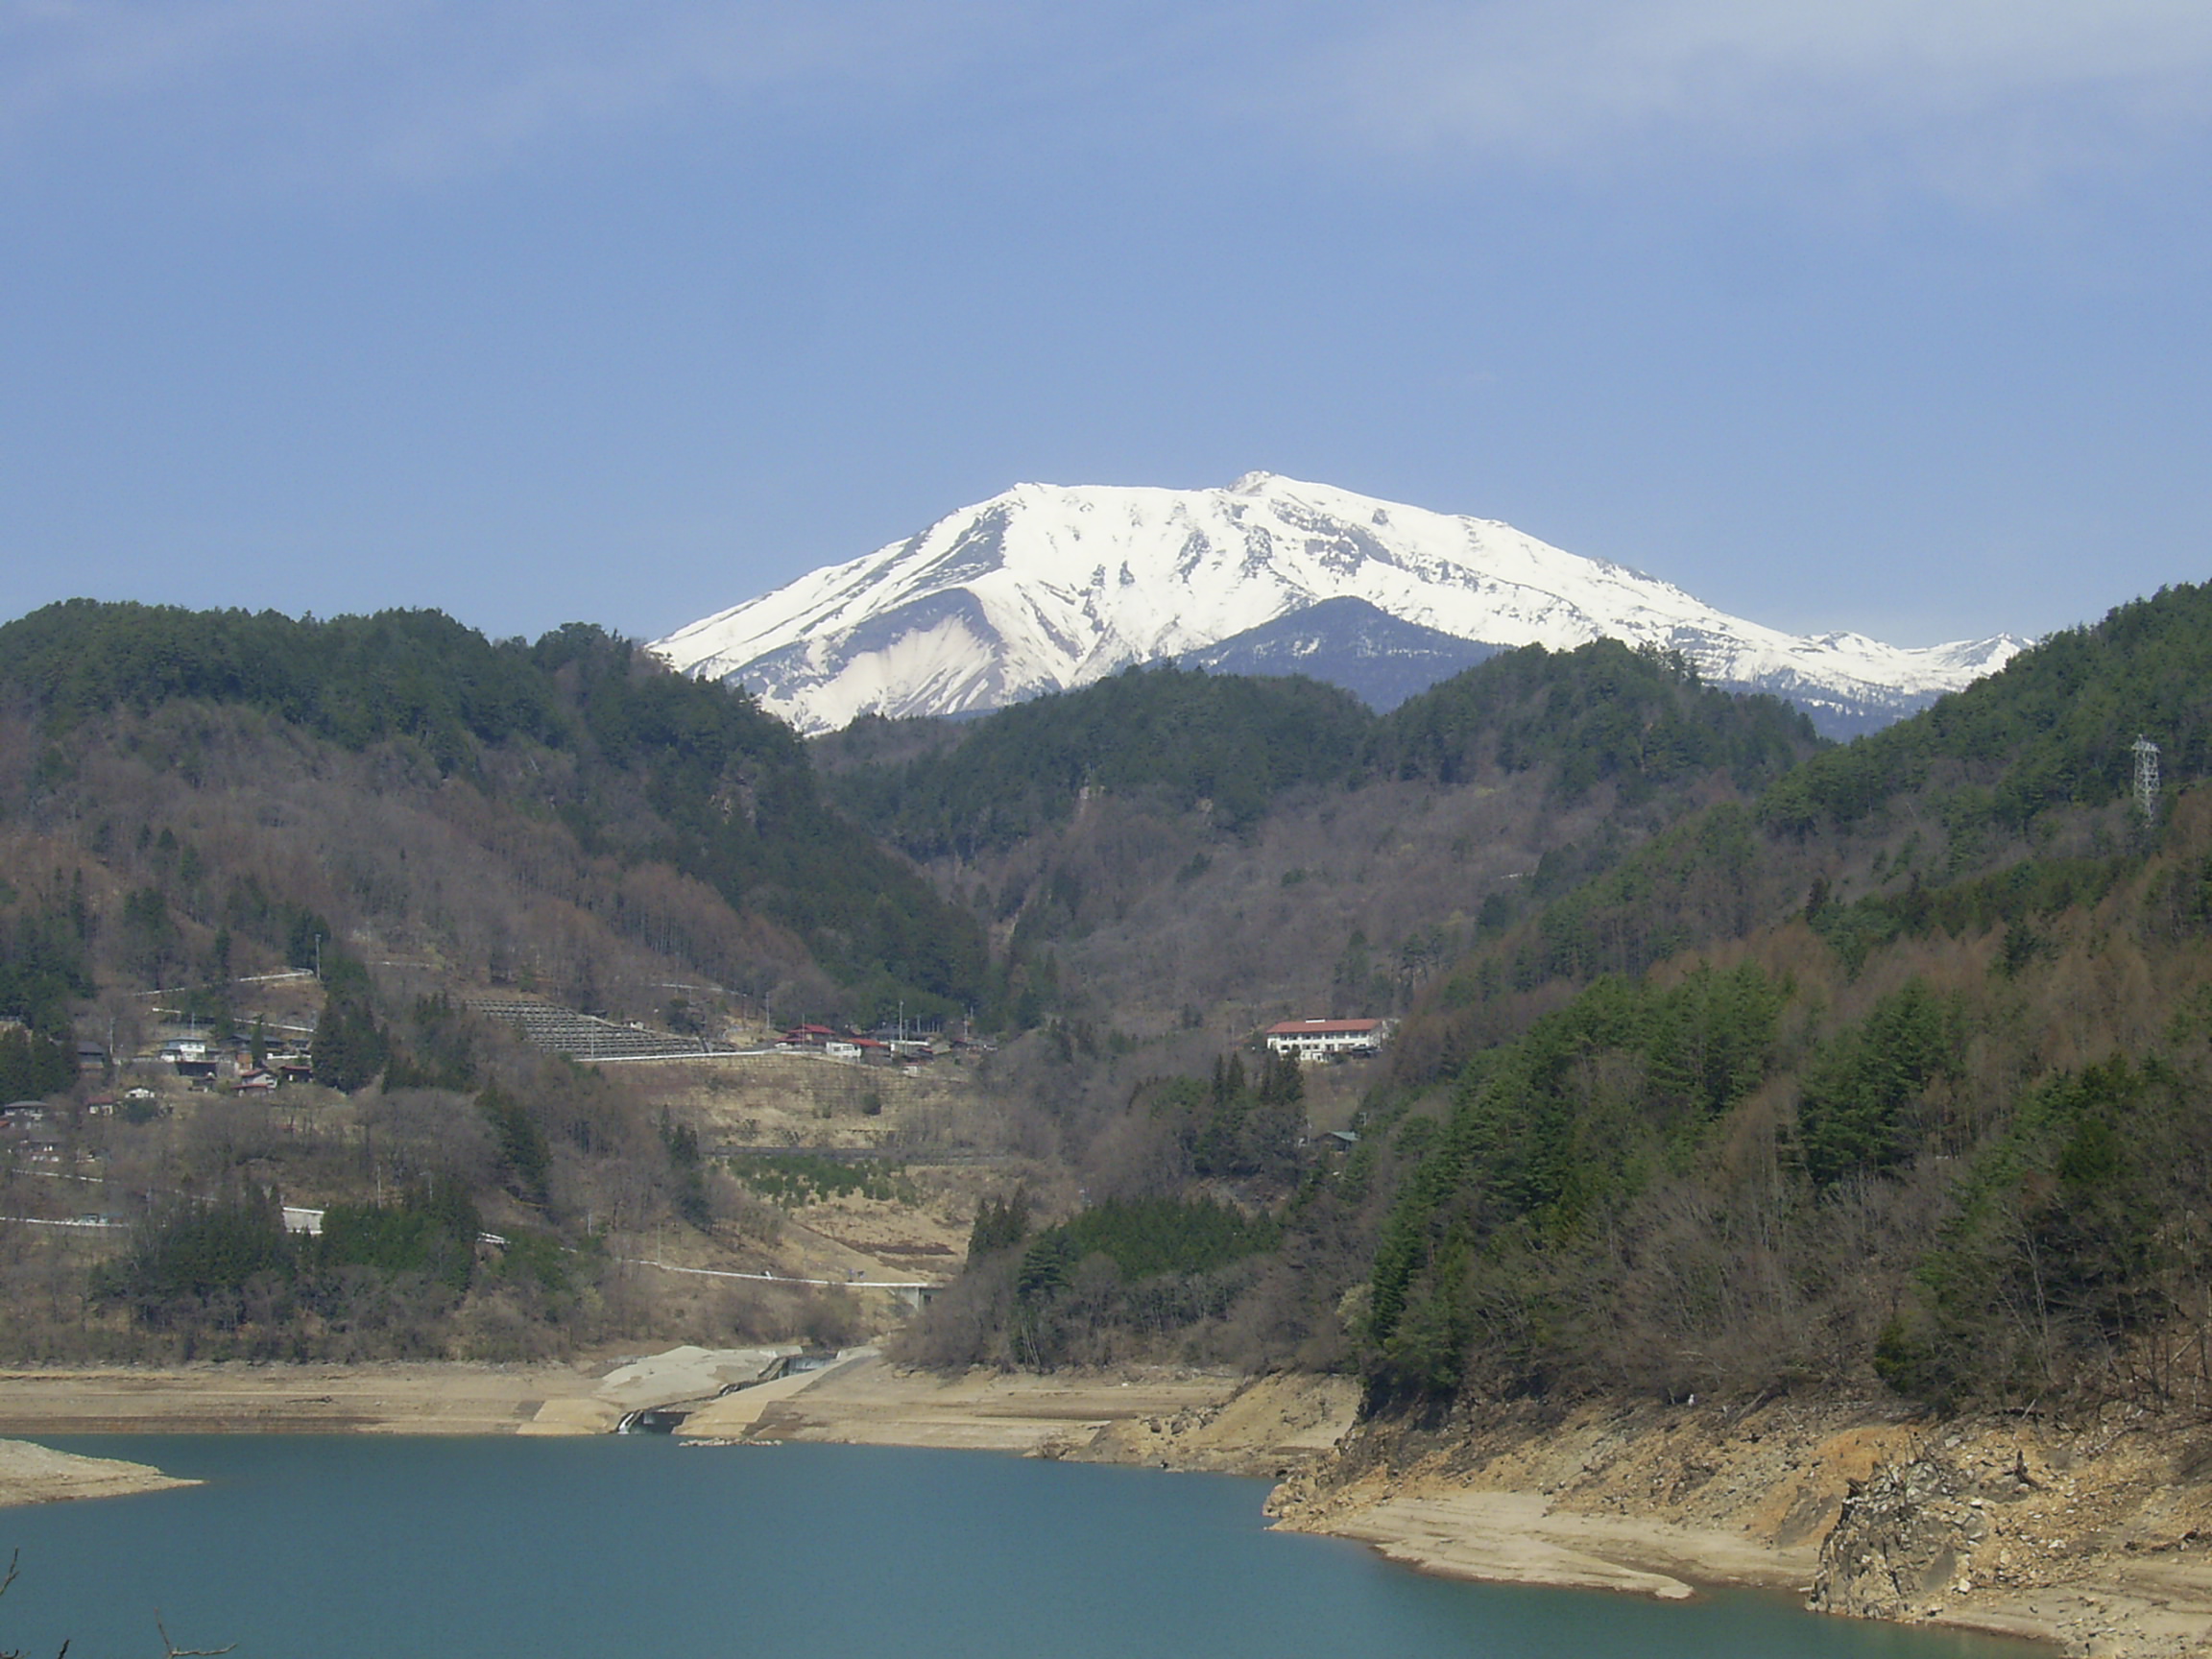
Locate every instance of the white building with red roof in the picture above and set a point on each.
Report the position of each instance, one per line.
(1321, 1039)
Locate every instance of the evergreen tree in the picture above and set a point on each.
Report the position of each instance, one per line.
(1000, 1224)
(349, 1049)
(523, 1145)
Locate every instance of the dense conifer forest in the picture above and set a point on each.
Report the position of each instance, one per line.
(1600, 713)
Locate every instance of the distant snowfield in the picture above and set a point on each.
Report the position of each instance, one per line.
(1047, 587)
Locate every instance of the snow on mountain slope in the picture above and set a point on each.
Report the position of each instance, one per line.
(1045, 588)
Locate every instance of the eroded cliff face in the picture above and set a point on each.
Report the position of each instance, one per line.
(2098, 1534)
(1904, 1543)
(2095, 1536)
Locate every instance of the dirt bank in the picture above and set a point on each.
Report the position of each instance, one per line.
(397, 1399)
(1181, 1418)
(1176, 1418)
(2097, 1537)
(35, 1475)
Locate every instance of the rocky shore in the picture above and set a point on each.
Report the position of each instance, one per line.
(2094, 1535)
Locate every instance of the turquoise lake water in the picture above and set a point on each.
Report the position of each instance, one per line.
(338, 1547)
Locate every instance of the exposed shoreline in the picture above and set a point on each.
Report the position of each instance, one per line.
(39, 1475)
(236, 1398)
(2096, 1539)
(1171, 1417)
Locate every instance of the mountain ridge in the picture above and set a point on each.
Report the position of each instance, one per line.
(1349, 642)
(1046, 587)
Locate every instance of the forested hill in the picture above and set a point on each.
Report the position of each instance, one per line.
(1897, 1079)
(1601, 713)
(353, 680)
(1983, 801)
(2054, 728)
(1179, 735)
(1940, 1120)
(641, 768)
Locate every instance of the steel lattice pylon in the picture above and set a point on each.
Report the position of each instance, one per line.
(2147, 776)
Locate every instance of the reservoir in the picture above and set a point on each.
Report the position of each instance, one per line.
(366, 1547)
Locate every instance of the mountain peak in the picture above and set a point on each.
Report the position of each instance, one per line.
(1048, 587)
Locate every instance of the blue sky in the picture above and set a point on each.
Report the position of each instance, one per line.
(1888, 315)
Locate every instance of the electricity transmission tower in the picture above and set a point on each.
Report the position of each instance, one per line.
(2147, 778)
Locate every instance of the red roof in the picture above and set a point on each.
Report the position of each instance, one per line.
(1323, 1028)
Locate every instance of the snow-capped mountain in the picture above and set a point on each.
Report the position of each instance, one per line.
(1046, 587)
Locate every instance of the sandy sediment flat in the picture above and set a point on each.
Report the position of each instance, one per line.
(871, 1402)
(1522, 1537)
(1183, 1418)
(1602, 1499)
(37, 1475)
(1175, 1418)
(399, 1399)
(1518, 1538)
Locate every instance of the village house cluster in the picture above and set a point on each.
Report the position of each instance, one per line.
(908, 1048)
(229, 1063)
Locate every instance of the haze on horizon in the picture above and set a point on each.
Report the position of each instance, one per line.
(1880, 315)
